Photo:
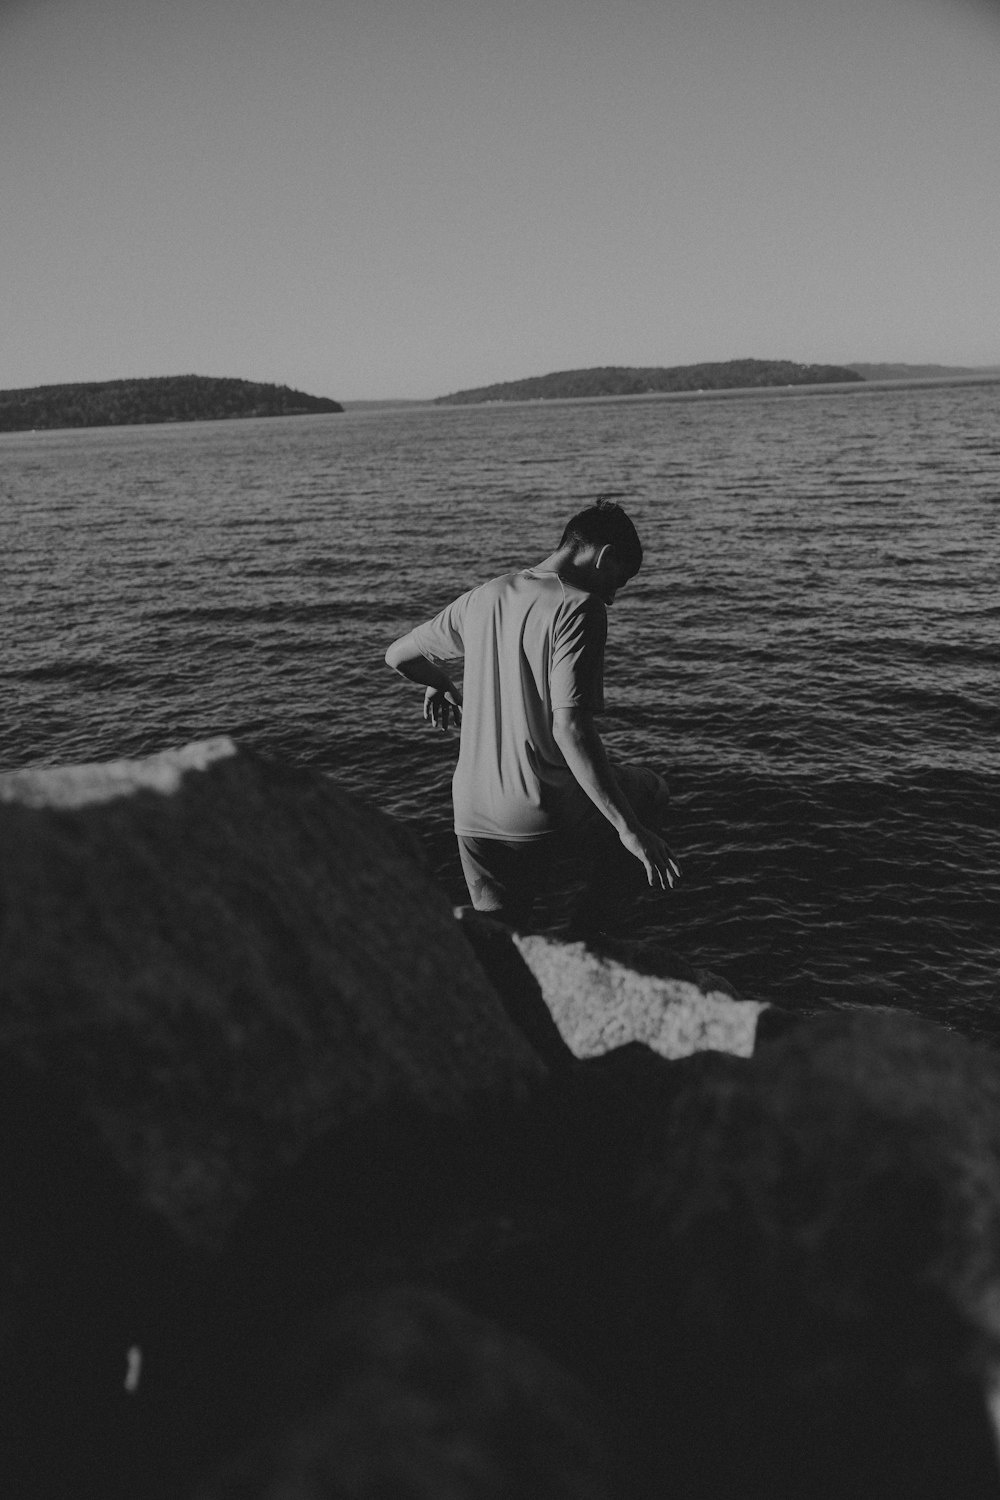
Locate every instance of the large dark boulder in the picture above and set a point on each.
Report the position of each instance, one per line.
(810, 1267)
(94, 1292)
(230, 958)
(517, 1215)
(406, 1394)
(208, 963)
(296, 1170)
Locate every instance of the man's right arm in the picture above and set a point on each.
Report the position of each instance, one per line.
(442, 700)
(576, 735)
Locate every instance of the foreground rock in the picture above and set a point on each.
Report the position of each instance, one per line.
(228, 959)
(810, 1267)
(405, 1393)
(307, 1188)
(206, 964)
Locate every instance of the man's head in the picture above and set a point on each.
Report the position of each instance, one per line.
(604, 532)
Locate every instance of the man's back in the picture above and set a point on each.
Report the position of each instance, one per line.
(532, 643)
(531, 762)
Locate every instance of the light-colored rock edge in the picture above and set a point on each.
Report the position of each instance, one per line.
(68, 787)
(599, 1003)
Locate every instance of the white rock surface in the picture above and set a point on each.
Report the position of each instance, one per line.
(599, 1004)
(107, 781)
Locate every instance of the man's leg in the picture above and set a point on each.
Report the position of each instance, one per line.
(615, 880)
(504, 876)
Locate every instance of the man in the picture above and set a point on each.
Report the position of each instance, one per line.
(533, 778)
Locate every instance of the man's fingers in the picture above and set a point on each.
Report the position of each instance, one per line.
(441, 710)
(663, 871)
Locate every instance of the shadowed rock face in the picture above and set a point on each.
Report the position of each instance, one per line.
(229, 958)
(283, 1176)
(206, 963)
(813, 1247)
(407, 1394)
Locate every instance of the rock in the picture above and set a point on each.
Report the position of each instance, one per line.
(516, 1214)
(406, 1393)
(207, 964)
(230, 958)
(647, 957)
(251, 1070)
(600, 1003)
(810, 1270)
(95, 1291)
(519, 990)
(716, 984)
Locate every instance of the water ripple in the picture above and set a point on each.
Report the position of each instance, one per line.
(810, 652)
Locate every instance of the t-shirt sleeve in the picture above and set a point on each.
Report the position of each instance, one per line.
(442, 639)
(576, 667)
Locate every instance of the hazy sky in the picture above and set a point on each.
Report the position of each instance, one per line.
(374, 198)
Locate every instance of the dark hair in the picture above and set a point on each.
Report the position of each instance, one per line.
(606, 525)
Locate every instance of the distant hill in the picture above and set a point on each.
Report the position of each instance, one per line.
(625, 380)
(922, 372)
(168, 398)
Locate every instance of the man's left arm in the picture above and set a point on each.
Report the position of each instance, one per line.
(576, 735)
(442, 700)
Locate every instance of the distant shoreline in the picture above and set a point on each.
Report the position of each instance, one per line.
(853, 387)
(431, 404)
(150, 401)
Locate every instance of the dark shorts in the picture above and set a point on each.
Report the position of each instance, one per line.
(505, 876)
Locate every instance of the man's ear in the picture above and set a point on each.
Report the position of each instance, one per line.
(602, 555)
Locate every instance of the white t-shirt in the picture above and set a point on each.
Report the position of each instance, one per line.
(531, 643)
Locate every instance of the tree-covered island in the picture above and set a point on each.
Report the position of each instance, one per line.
(625, 380)
(167, 398)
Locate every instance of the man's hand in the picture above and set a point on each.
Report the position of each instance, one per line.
(442, 705)
(442, 700)
(653, 854)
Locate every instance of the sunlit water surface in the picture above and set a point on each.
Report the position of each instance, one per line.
(810, 653)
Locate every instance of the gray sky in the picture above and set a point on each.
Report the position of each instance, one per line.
(376, 198)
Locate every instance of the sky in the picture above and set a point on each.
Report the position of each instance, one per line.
(374, 199)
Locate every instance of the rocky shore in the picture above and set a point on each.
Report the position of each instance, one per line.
(314, 1189)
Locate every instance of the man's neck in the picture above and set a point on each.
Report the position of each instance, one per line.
(577, 570)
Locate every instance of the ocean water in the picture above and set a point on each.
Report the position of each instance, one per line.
(811, 653)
